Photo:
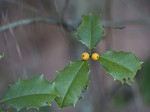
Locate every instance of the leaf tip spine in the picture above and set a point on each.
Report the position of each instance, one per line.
(89, 71)
(28, 108)
(74, 105)
(42, 76)
(53, 83)
(9, 85)
(38, 109)
(18, 109)
(49, 105)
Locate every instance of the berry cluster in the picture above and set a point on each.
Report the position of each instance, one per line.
(86, 56)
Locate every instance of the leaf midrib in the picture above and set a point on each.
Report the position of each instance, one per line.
(24, 96)
(90, 33)
(72, 82)
(117, 64)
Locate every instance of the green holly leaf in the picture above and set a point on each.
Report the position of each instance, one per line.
(90, 32)
(121, 65)
(32, 93)
(70, 82)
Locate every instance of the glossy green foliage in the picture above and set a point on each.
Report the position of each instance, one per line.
(90, 32)
(70, 82)
(32, 93)
(121, 65)
(66, 89)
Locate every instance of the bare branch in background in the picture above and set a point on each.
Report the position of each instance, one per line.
(19, 52)
(126, 22)
(18, 49)
(35, 20)
(114, 27)
(68, 27)
(60, 19)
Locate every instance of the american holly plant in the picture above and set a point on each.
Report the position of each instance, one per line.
(73, 79)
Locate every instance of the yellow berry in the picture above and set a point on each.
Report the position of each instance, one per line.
(85, 56)
(95, 56)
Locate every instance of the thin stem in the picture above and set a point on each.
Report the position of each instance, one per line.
(51, 20)
(114, 27)
(19, 52)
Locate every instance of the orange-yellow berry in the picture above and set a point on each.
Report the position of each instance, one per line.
(95, 56)
(85, 56)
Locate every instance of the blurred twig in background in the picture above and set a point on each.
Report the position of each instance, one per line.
(50, 20)
(68, 27)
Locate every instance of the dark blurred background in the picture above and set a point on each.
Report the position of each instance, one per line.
(38, 37)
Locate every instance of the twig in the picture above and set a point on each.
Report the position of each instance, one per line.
(68, 27)
(126, 22)
(114, 27)
(25, 22)
(60, 19)
(19, 52)
(17, 47)
(33, 20)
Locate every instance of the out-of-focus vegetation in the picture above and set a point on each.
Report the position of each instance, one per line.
(144, 82)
